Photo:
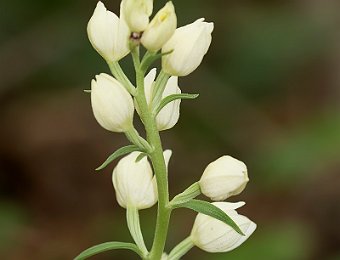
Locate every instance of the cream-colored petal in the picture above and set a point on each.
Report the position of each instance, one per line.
(149, 83)
(223, 178)
(111, 103)
(134, 183)
(160, 29)
(108, 34)
(213, 236)
(189, 45)
(169, 115)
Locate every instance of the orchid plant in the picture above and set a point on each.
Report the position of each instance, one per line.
(140, 178)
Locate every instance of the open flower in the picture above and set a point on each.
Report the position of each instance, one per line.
(214, 236)
(188, 44)
(137, 13)
(169, 115)
(108, 34)
(112, 105)
(160, 29)
(223, 178)
(134, 182)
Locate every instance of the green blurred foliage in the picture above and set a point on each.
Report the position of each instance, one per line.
(12, 221)
(316, 138)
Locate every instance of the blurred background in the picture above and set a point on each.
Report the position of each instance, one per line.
(269, 96)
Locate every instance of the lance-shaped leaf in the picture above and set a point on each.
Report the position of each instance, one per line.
(107, 247)
(211, 210)
(190, 193)
(174, 97)
(120, 152)
(140, 157)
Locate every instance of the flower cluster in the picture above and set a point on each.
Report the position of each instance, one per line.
(221, 179)
(140, 178)
(111, 36)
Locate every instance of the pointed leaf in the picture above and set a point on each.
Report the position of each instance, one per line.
(106, 247)
(190, 193)
(211, 210)
(174, 97)
(120, 152)
(140, 157)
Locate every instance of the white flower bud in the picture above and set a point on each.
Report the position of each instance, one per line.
(167, 156)
(169, 115)
(214, 236)
(134, 182)
(160, 29)
(189, 45)
(137, 13)
(165, 256)
(223, 178)
(108, 34)
(111, 103)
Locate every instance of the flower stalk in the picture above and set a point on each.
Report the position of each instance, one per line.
(157, 160)
(181, 249)
(132, 219)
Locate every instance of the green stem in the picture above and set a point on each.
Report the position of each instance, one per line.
(132, 218)
(119, 74)
(181, 249)
(158, 163)
(136, 60)
(148, 59)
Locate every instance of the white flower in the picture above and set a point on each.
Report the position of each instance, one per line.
(160, 29)
(137, 13)
(223, 178)
(108, 34)
(213, 235)
(111, 103)
(189, 45)
(134, 182)
(169, 115)
(165, 256)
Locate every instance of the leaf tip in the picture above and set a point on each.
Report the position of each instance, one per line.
(101, 167)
